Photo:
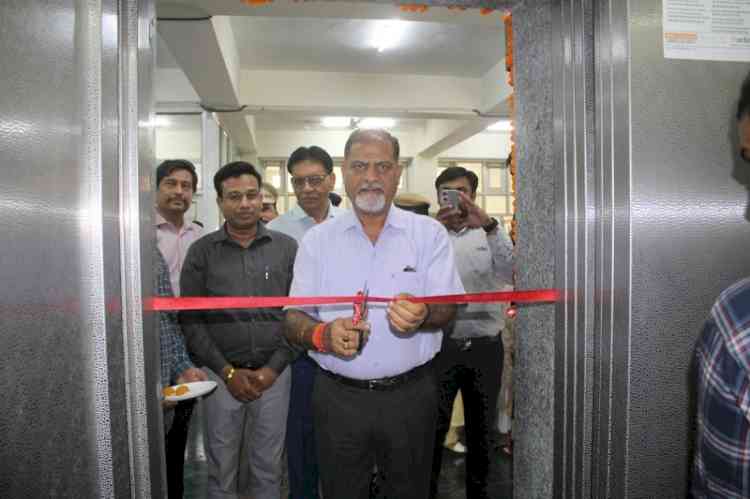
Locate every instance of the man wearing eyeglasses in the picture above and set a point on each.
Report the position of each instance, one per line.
(243, 350)
(375, 396)
(311, 170)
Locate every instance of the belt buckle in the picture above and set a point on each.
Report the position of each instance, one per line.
(465, 345)
(372, 384)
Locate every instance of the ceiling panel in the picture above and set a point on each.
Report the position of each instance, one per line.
(275, 122)
(345, 45)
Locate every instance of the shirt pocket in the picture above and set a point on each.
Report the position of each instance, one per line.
(269, 280)
(481, 261)
(411, 282)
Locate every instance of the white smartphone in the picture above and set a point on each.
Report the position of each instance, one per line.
(449, 197)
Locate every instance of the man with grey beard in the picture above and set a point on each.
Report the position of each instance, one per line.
(375, 398)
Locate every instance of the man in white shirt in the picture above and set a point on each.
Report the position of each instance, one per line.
(471, 356)
(311, 169)
(176, 181)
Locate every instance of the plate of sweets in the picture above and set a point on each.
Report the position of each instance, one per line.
(187, 391)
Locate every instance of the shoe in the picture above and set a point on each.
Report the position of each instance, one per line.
(458, 448)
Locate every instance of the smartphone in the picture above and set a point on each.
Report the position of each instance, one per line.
(449, 197)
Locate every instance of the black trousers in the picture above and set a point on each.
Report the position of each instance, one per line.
(476, 370)
(357, 428)
(176, 440)
(300, 431)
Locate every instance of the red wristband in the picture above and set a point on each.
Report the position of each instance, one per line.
(317, 337)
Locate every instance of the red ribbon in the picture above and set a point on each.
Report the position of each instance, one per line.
(238, 302)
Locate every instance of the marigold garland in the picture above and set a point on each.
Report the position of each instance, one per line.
(508, 22)
(413, 7)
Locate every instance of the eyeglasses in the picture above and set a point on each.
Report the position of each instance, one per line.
(381, 167)
(236, 197)
(311, 180)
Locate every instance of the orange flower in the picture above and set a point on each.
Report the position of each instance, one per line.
(413, 7)
(255, 3)
(485, 11)
(456, 7)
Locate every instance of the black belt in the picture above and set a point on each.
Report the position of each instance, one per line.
(464, 344)
(382, 384)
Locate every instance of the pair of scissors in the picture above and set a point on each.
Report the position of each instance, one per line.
(360, 312)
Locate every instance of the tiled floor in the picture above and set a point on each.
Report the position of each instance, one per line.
(451, 480)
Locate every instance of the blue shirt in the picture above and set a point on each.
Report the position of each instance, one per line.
(721, 467)
(412, 255)
(296, 222)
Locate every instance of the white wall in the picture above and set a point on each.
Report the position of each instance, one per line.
(486, 145)
(171, 85)
(282, 143)
(178, 144)
(310, 89)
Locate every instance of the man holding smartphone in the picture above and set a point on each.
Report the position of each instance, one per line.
(471, 357)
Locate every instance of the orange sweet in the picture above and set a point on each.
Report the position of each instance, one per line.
(182, 390)
(168, 391)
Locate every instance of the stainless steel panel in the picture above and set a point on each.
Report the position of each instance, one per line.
(141, 342)
(689, 234)
(612, 324)
(64, 371)
(577, 193)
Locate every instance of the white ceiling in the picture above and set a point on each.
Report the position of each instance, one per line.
(275, 122)
(341, 44)
(336, 37)
(344, 45)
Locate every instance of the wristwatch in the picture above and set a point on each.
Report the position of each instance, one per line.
(491, 226)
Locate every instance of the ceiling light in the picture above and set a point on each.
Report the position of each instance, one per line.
(501, 126)
(336, 121)
(157, 121)
(377, 123)
(387, 34)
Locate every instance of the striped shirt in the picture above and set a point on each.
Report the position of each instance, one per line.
(174, 356)
(721, 467)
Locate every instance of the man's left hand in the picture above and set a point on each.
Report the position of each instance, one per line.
(405, 316)
(262, 378)
(475, 217)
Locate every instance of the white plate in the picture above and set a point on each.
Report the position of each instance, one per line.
(196, 389)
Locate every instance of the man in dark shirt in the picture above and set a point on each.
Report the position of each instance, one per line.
(244, 351)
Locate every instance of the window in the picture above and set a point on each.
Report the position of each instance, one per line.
(178, 136)
(495, 193)
(274, 172)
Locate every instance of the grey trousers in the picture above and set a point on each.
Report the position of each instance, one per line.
(245, 441)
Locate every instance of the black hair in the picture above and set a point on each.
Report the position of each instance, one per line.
(235, 169)
(313, 154)
(743, 106)
(334, 198)
(169, 166)
(367, 135)
(455, 172)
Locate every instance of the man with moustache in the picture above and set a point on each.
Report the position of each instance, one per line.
(243, 350)
(311, 169)
(176, 181)
(375, 398)
(471, 358)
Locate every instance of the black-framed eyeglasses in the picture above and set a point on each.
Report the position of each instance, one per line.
(311, 180)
